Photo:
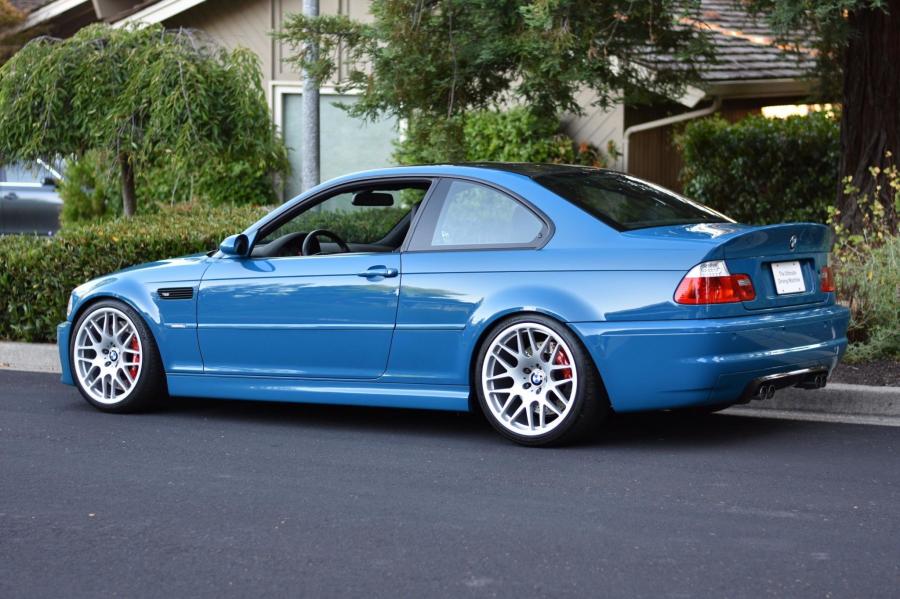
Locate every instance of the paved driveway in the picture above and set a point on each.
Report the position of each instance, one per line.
(215, 498)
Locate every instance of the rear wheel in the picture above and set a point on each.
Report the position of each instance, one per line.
(536, 384)
(115, 360)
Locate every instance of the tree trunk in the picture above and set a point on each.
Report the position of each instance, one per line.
(129, 199)
(309, 135)
(870, 118)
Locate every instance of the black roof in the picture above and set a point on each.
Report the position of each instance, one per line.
(532, 169)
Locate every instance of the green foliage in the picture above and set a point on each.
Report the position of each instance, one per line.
(152, 100)
(869, 283)
(515, 135)
(827, 31)
(875, 223)
(39, 273)
(763, 170)
(428, 63)
(357, 226)
(89, 190)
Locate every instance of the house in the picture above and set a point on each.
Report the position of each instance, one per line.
(753, 72)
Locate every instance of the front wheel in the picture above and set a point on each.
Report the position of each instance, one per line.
(115, 360)
(536, 383)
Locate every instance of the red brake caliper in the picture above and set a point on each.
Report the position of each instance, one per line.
(137, 357)
(563, 360)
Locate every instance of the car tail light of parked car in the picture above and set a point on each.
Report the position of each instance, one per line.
(826, 280)
(711, 283)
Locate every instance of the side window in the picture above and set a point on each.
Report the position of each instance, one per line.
(471, 215)
(364, 216)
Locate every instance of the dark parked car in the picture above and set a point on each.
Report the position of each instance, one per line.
(29, 200)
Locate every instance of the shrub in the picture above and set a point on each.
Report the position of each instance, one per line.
(168, 109)
(762, 170)
(869, 283)
(39, 273)
(515, 135)
(89, 190)
(360, 226)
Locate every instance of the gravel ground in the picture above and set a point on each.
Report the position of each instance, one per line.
(881, 373)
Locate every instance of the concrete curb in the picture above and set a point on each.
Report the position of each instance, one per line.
(31, 357)
(836, 399)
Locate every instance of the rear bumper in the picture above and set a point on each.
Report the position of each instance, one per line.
(62, 343)
(671, 364)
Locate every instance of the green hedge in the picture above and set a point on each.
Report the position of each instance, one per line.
(762, 170)
(358, 225)
(38, 273)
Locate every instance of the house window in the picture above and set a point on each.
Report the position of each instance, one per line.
(346, 144)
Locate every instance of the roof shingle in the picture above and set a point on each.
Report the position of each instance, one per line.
(746, 46)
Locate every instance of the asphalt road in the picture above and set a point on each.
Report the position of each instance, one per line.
(217, 498)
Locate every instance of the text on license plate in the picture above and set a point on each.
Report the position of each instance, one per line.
(788, 277)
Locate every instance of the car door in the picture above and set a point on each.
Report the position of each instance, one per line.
(329, 316)
(471, 244)
(30, 201)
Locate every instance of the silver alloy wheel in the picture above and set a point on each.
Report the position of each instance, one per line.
(107, 355)
(529, 379)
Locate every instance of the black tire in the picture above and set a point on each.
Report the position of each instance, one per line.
(589, 408)
(149, 388)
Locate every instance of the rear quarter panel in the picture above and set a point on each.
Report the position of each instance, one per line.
(586, 272)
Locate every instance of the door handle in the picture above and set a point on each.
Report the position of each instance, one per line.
(10, 196)
(379, 271)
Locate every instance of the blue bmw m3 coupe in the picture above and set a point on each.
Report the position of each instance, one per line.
(546, 296)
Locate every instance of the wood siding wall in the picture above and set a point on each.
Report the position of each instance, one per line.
(652, 154)
(596, 125)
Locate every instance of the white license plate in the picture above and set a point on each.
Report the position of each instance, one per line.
(788, 277)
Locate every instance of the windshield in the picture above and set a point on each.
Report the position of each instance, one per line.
(627, 203)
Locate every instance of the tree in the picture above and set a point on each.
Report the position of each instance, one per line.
(858, 54)
(147, 99)
(429, 62)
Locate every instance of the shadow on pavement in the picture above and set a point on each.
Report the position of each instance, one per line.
(638, 430)
(43, 393)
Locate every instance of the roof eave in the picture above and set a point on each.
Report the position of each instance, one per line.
(46, 13)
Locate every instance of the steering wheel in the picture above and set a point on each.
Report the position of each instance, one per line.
(311, 245)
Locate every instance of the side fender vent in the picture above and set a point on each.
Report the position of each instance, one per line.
(175, 293)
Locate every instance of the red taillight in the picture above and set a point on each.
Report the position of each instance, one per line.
(711, 283)
(826, 280)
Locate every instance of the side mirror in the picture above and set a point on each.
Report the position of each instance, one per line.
(50, 182)
(235, 245)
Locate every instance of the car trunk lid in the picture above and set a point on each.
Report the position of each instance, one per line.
(801, 248)
(783, 261)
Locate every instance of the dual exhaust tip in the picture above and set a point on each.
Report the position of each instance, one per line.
(765, 391)
(816, 381)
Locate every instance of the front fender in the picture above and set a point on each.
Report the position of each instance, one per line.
(172, 322)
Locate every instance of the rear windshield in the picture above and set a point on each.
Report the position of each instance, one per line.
(626, 203)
